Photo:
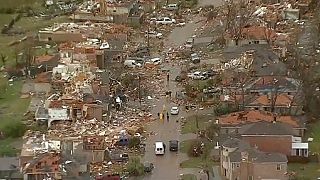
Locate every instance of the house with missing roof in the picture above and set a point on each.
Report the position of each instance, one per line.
(240, 161)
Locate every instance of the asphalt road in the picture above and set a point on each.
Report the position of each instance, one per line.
(167, 166)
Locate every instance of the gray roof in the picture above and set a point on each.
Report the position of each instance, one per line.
(257, 156)
(263, 55)
(9, 163)
(267, 128)
(254, 155)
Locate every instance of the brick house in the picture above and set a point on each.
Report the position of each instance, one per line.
(284, 104)
(240, 161)
(274, 137)
(232, 123)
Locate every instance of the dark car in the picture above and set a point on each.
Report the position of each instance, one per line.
(178, 79)
(173, 145)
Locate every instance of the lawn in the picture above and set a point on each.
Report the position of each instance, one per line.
(12, 107)
(33, 24)
(189, 177)
(314, 132)
(7, 147)
(190, 125)
(305, 171)
(20, 3)
(197, 162)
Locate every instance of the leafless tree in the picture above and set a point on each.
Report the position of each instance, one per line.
(237, 16)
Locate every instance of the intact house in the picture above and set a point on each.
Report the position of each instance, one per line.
(274, 137)
(233, 122)
(240, 161)
(280, 103)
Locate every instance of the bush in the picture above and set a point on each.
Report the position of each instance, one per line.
(223, 109)
(212, 131)
(135, 167)
(14, 129)
(195, 149)
(134, 142)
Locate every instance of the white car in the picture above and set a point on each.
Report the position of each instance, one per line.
(153, 34)
(174, 110)
(165, 20)
(196, 75)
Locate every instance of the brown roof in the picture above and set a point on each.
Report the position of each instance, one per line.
(253, 116)
(258, 32)
(281, 100)
(44, 58)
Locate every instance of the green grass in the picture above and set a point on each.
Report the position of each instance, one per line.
(190, 125)
(197, 162)
(7, 148)
(12, 107)
(5, 19)
(305, 171)
(189, 177)
(314, 132)
(32, 24)
(20, 3)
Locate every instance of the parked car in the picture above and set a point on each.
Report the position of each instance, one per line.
(197, 76)
(174, 110)
(165, 20)
(155, 61)
(160, 148)
(173, 145)
(195, 58)
(131, 64)
(172, 7)
(153, 34)
(189, 43)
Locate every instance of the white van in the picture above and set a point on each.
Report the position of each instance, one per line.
(131, 64)
(160, 148)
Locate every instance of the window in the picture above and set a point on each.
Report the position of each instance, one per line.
(250, 177)
(278, 167)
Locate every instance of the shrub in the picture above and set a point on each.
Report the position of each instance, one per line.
(135, 167)
(134, 142)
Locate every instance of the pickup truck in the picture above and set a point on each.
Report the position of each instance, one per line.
(165, 20)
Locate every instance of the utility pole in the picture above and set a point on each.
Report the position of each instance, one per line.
(139, 87)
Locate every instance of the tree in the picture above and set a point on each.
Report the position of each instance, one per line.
(212, 131)
(135, 167)
(237, 16)
(3, 59)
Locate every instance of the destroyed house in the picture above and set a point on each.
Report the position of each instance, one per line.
(94, 143)
(265, 61)
(43, 166)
